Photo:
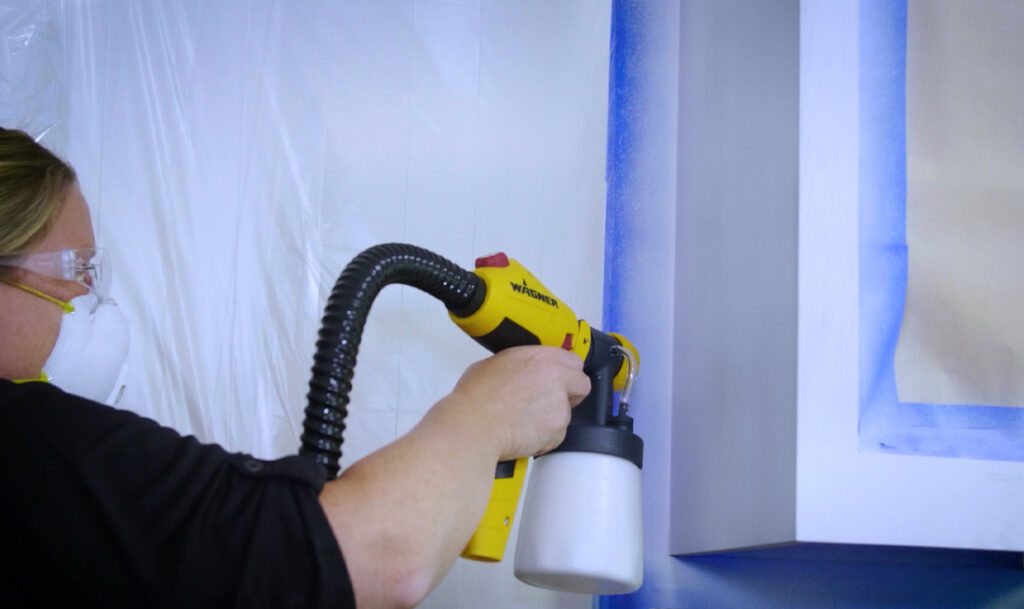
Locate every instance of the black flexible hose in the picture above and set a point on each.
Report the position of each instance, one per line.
(342, 328)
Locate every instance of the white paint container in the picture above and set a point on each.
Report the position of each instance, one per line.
(581, 528)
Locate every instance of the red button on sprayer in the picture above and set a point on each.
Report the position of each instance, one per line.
(499, 259)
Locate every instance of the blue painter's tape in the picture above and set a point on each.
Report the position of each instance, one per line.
(623, 92)
(887, 425)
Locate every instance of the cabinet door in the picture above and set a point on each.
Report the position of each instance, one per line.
(873, 468)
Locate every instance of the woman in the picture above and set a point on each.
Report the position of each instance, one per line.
(120, 511)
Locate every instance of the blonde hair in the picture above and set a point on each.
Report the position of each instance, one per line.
(33, 182)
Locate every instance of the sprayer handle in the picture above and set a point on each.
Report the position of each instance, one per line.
(491, 536)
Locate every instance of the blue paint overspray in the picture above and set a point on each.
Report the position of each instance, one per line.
(623, 132)
(639, 239)
(639, 242)
(886, 424)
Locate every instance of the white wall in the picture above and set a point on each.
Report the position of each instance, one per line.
(237, 154)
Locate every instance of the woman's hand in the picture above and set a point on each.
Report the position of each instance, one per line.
(526, 394)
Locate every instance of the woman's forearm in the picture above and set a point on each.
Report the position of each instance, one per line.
(402, 514)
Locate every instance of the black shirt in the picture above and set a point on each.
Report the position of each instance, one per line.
(104, 508)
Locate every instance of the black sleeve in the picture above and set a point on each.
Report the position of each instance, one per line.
(110, 509)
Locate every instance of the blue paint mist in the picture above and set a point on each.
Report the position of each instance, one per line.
(886, 424)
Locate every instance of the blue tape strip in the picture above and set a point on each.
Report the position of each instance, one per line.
(623, 91)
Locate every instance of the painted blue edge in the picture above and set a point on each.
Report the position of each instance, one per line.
(886, 424)
(623, 133)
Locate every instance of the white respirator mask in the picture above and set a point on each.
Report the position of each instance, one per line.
(88, 358)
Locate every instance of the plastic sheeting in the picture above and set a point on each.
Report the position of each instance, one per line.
(236, 155)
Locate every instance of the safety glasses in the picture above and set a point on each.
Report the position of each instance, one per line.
(88, 266)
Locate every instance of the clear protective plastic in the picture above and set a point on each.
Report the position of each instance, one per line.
(237, 154)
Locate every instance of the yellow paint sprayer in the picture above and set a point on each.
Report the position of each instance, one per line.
(581, 522)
